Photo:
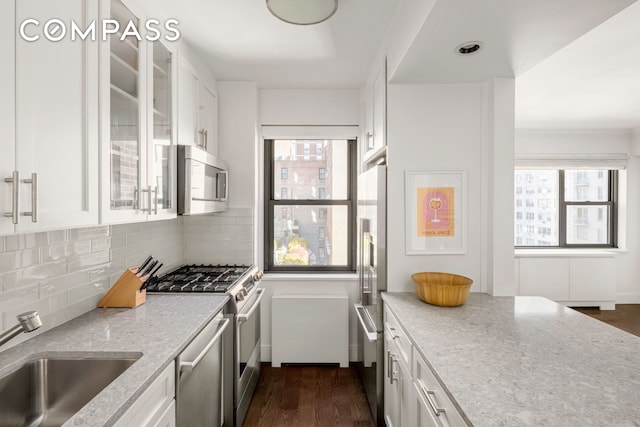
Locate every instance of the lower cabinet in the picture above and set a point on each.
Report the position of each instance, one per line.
(156, 406)
(412, 394)
(433, 405)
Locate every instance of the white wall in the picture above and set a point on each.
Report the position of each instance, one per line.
(238, 120)
(627, 269)
(446, 127)
(305, 107)
(309, 107)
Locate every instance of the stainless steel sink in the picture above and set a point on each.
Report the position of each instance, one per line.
(47, 391)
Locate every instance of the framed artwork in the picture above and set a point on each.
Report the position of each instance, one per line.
(434, 212)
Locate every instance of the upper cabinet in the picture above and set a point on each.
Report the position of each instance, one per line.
(137, 122)
(48, 117)
(374, 100)
(197, 109)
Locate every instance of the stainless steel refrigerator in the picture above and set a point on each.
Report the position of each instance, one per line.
(372, 279)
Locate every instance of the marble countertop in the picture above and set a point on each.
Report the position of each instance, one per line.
(159, 329)
(526, 361)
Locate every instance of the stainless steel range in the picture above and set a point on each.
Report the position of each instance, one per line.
(240, 282)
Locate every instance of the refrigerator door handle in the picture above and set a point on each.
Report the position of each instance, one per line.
(367, 323)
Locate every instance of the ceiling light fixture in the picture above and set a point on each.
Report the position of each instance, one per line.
(302, 12)
(468, 48)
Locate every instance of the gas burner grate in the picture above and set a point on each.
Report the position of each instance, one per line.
(199, 278)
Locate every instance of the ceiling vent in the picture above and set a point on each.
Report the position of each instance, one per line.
(468, 48)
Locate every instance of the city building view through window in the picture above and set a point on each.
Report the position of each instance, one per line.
(310, 203)
(564, 207)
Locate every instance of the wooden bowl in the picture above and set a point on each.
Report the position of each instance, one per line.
(443, 289)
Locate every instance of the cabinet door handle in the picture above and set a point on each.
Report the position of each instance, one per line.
(155, 200)
(203, 138)
(206, 139)
(14, 180)
(434, 407)
(34, 197)
(135, 198)
(149, 197)
(370, 144)
(394, 362)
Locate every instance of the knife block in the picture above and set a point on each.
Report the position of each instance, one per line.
(126, 291)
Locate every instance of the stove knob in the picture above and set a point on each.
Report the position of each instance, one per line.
(258, 276)
(239, 296)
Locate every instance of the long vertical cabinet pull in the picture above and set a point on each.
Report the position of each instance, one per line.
(15, 197)
(149, 199)
(34, 197)
(155, 201)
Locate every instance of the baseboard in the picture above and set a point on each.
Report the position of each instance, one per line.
(628, 298)
(353, 353)
(265, 355)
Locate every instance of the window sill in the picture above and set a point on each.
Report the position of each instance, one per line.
(309, 277)
(567, 253)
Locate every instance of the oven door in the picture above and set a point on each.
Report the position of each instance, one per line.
(247, 353)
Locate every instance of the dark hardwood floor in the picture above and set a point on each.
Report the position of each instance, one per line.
(625, 316)
(307, 396)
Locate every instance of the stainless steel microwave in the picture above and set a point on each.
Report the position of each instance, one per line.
(202, 182)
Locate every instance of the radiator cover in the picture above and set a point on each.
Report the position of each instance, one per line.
(310, 328)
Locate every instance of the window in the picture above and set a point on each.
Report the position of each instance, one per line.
(318, 233)
(284, 173)
(578, 208)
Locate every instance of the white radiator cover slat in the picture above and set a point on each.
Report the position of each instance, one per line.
(310, 328)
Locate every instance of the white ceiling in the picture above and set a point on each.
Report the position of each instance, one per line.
(592, 83)
(241, 40)
(596, 78)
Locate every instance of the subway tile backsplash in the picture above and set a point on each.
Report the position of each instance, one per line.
(224, 238)
(64, 273)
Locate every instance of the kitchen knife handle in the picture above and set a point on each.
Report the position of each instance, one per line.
(149, 268)
(144, 264)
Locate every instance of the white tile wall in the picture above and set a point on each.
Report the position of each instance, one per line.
(64, 273)
(222, 238)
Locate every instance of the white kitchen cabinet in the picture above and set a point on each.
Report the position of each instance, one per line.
(433, 407)
(375, 112)
(48, 119)
(198, 109)
(138, 115)
(398, 392)
(156, 406)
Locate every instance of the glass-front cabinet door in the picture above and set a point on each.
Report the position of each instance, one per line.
(125, 114)
(138, 152)
(161, 159)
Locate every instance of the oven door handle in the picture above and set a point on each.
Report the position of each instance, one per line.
(244, 317)
(190, 366)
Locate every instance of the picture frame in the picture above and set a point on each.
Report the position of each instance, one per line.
(435, 210)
